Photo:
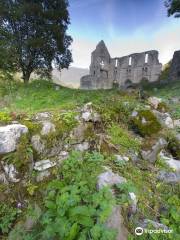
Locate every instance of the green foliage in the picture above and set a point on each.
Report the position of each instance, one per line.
(146, 123)
(117, 108)
(7, 217)
(173, 144)
(173, 7)
(64, 123)
(43, 42)
(74, 209)
(122, 192)
(4, 117)
(122, 137)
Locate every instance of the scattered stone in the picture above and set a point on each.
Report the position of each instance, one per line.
(47, 128)
(89, 115)
(116, 222)
(165, 119)
(9, 136)
(121, 158)
(37, 144)
(42, 175)
(82, 146)
(63, 156)
(154, 102)
(169, 177)
(134, 114)
(134, 202)
(109, 178)
(151, 155)
(43, 165)
(43, 116)
(156, 225)
(10, 172)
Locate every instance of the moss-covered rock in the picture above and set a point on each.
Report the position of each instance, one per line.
(145, 123)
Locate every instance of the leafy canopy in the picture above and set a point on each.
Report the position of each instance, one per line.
(173, 7)
(33, 35)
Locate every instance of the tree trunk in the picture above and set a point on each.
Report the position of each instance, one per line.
(26, 77)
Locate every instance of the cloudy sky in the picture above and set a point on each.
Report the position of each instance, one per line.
(126, 26)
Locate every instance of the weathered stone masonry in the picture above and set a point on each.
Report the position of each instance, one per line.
(124, 71)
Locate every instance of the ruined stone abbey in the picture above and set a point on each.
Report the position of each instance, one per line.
(105, 72)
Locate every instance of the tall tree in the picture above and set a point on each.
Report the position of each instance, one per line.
(173, 7)
(33, 35)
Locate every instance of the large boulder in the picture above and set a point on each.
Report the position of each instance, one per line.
(151, 155)
(9, 137)
(116, 222)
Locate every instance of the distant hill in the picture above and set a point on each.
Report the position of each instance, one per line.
(69, 77)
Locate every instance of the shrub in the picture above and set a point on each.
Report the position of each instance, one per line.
(146, 123)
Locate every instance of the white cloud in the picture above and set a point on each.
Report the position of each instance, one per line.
(166, 40)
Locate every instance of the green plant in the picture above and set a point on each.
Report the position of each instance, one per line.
(7, 217)
(74, 209)
(146, 123)
(4, 117)
(123, 138)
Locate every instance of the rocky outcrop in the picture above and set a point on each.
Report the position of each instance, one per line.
(9, 137)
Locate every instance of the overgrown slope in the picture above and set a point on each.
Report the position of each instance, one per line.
(84, 134)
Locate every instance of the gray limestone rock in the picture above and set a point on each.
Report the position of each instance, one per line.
(151, 155)
(47, 128)
(43, 165)
(168, 177)
(10, 172)
(155, 225)
(43, 116)
(116, 222)
(109, 178)
(38, 144)
(81, 146)
(9, 136)
(165, 119)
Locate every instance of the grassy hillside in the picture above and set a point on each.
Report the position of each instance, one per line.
(66, 204)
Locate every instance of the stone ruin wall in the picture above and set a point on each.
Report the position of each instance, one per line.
(124, 71)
